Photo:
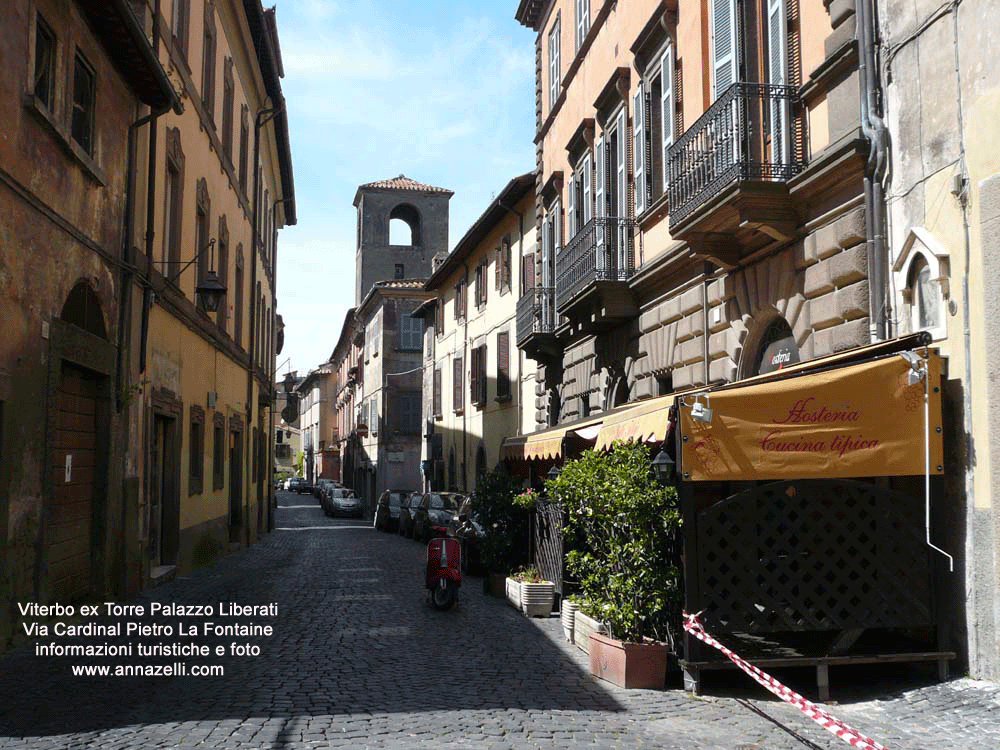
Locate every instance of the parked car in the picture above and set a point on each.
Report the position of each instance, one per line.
(342, 502)
(321, 487)
(406, 511)
(304, 487)
(435, 512)
(294, 484)
(387, 509)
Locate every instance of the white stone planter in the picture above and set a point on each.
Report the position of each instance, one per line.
(533, 599)
(568, 617)
(583, 626)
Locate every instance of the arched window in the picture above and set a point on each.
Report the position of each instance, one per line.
(777, 348)
(83, 309)
(925, 298)
(404, 225)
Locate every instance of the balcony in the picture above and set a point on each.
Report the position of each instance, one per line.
(728, 174)
(536, 324)
(592, 274)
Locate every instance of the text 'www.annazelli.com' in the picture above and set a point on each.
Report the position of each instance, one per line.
(177, 669)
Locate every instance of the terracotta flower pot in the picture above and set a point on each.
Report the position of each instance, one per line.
(628, 665)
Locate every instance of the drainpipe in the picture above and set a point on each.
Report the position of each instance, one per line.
(875, 132)
(262, 117)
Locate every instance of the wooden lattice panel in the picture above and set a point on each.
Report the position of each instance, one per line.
(549, 543)
(813, 555)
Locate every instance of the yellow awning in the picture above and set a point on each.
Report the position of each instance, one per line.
(546, 444)
(641, 422)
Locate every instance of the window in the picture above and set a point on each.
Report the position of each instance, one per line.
(208, 64)
(244, 146)
(409, 412)
(411, 332)
(551, 244)
(554, 68)
(222, 269)
(653, 129)
(174, 199)
(503, 366)
(580, 204)
(376, 327)
(238, 300)
(482, 272)
(202, 231)
(436, 397)
(477, 376)
(196, 450)
(219, 452)
(457, 385)
(439, 318)
(725, 44)
(179, 24)
(582, 21)
(227, 110)
(45, 64)
(82, 125)
(460, 300)
(399, 272)
(503, 266)
(527, 272)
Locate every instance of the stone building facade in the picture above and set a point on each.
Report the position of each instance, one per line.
(78, 77)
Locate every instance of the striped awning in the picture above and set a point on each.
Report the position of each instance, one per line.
(548, 443)
(642, 422)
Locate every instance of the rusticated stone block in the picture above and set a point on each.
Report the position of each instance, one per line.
(670, 310)
(822, 342)
(722, 370)
(850, 228)
(691, 350)
(852, 301)
(852, 334)
(841, 35)
(817, 281)
(849, 266)
(823, 312)
(691, 300)
(839, 10)
(649, 320)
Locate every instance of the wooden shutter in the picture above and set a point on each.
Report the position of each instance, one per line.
(639, 150)
(482, 374)
(571, 227)
(458, 376)
(667, 108)
(437, 392)
(497, 266)
(503, 365)
(621, 165)
(556, 229)
(528, 272)
(777, 74)
(474, 376)
(725, 45)
(599, 187)
(588, 210)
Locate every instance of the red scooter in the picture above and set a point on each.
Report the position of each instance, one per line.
(444, 571)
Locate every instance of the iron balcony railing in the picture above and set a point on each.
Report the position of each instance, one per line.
(536, 313)
(754, 131)
(604, 250)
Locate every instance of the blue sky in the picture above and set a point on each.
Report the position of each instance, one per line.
(441, 91)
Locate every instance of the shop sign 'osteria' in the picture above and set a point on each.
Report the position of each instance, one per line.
(862, 420)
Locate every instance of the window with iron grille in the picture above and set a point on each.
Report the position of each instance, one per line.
(457, 385)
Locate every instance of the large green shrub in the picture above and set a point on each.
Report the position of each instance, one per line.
(505, 521)
(626, 527)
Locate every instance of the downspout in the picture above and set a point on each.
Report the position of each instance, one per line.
(262, 117)
(875, 132)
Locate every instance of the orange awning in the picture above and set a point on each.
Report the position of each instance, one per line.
(857, 420)
(641, 422)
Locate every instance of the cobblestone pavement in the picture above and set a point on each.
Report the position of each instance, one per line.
(358, 659)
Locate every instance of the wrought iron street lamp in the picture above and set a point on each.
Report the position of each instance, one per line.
(210, 290)
(663, 467)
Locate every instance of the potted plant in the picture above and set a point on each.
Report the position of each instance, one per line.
(626, 529)
(505, 522)
(530, 593)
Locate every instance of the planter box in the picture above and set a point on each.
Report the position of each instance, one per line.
(583, 626)
(628, 665)
(568, 618)
(533, 599)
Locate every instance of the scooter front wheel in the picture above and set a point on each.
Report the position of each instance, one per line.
(444, 596)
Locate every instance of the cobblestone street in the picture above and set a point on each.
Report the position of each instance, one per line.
(358, 659)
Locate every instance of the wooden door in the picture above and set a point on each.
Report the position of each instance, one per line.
(74, 468)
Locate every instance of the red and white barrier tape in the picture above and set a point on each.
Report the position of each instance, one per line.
(830, 723)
